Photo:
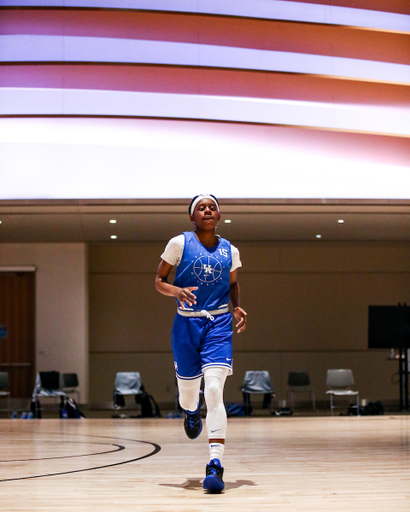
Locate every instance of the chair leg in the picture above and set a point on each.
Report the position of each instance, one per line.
(314, 400)
(291, 400)
(358, 410)
(56, 404)
(331, 403)
(247, 403)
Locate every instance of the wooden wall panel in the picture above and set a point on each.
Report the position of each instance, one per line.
(17, 352)
(307, 308)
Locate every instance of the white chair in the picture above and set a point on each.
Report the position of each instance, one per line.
(340, 383)
(299, 382)
(5, 389)
(48, 385)
(257, 382)
(126, 383)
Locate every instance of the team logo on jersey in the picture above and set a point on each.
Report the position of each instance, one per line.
(207, 269)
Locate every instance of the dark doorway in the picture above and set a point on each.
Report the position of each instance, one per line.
(17, 327)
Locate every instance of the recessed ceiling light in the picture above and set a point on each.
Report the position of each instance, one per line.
(318, 236)
(228, 221)
(113, 237)
(340, 221)
(0, 221)
(113, 221)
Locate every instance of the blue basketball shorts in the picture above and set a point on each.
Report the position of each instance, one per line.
(198, 343)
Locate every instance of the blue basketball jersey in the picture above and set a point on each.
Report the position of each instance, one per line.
(209, 269)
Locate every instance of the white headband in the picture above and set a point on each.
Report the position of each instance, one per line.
(200, 198)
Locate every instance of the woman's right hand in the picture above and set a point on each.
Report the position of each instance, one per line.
(185, 297)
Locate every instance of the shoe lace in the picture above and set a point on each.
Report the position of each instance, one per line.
(213, 468)
(192, 420)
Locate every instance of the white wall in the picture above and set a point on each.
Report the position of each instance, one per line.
(61, 305)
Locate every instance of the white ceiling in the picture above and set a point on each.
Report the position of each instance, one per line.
(158, 221)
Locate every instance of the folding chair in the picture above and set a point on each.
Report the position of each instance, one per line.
(71, 384)
(126, 383)
(48, 385)
(340, 383)
(257, 382)
(299, 382)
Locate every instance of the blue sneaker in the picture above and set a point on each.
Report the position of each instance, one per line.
(213, 482)
(193, 423)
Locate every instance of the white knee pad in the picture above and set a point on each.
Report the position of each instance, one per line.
(216, 421)
(189, 393)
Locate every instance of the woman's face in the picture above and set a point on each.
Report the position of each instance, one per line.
(206, 215)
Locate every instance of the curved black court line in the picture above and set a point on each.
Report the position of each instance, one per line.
(157, 449)
(118, 448)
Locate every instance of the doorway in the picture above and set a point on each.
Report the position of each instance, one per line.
(17, 331)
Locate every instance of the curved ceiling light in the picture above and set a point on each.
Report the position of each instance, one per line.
(77, 102)
(66, 158)
(262, 9)
(38, 48)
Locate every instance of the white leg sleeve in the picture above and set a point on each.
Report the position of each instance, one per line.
(189, 393)
(216, 421)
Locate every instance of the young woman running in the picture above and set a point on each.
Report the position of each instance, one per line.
(205, 284)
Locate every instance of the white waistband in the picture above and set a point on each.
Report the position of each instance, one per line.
(208, 314)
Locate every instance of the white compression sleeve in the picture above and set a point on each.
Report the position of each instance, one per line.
(216, 421)
(189, 393)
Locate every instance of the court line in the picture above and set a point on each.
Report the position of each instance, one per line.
(156, 449)
(118, 449)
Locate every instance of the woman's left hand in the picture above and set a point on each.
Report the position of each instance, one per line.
(240, 315)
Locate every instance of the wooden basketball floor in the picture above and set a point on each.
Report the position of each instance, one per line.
(281, 464)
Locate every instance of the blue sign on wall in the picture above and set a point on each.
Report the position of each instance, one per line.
(3, 332)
